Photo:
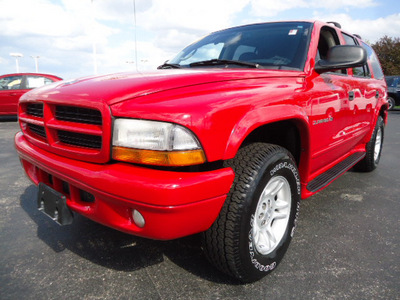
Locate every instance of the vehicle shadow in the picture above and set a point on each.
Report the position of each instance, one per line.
(8, 118)
(116, 250)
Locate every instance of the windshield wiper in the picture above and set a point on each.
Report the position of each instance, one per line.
(169, 66)
(215, 62)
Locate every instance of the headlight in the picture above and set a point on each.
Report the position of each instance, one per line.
(155, 143)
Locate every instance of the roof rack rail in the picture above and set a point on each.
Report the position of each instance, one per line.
(357, 35)
(336, 24)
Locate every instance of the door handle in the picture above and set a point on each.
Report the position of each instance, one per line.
(351, 95)
(13, 94)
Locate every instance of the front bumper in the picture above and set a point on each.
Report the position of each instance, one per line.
(173, 204)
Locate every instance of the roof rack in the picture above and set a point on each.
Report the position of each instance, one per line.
(336, 24)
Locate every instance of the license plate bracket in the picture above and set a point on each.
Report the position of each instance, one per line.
(54, 205)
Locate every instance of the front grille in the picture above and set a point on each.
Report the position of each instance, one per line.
(79, 139)
(77, 132)
(78, 114)
(35, 109)
(38, 130)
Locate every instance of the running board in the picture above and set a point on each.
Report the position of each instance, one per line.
(325, 178)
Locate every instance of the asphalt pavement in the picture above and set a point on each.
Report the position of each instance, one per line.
(347, 246)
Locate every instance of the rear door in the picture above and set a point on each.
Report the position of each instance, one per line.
(366, 91)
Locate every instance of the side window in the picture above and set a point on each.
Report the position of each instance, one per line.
(358, 71)
(327, 39)
(393, 82)
(11, 83)
(37, 81)
(376, 67)
(390, 81)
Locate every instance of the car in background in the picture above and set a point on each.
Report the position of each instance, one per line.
(13, 86)
(393, 84)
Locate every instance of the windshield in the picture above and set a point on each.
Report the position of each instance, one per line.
(268, 45)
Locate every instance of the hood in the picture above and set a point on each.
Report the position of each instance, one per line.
(119, 87)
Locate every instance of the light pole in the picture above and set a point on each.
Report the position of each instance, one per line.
(36, 58)
(16, 55)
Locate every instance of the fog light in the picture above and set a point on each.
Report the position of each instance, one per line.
(138, 218)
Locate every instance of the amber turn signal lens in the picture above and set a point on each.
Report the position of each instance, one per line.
(159, 158)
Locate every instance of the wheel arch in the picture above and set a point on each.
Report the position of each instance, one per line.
(268, 126)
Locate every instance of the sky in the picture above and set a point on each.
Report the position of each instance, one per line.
(65, 34)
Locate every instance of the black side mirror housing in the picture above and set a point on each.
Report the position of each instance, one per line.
(342, 57)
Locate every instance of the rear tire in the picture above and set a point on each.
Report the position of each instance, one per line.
(255, 226)
(391, 102)
(374, 149)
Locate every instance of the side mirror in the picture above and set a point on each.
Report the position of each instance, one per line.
(342, 57)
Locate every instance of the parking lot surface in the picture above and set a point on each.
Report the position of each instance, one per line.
(346, 246)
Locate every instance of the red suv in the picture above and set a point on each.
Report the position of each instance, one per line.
(224, 139)
(13, 86)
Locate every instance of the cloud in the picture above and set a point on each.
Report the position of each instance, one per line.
(340, 4)
(39, 17)
(120, 11)
(122, 57)
(178, 23)
(369, 29)
(202, 16)
(62, 32)
(268, 8)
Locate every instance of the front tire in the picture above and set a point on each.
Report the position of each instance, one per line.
(255, 226)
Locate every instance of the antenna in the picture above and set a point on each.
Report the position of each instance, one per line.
(134, 17)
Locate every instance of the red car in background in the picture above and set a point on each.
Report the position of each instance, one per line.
(13, 86)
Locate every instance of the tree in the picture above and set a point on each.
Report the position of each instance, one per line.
(388, 51)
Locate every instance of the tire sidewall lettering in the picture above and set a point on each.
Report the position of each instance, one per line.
(292, 168)
(259, 266)
(267, 263)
